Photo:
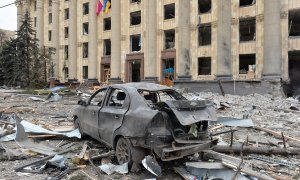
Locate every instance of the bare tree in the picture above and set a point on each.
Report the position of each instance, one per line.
(3, 37)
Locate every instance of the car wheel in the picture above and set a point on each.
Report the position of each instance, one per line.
(77, 125)
(123, 151)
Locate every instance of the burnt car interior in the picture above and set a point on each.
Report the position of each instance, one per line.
(117, 98)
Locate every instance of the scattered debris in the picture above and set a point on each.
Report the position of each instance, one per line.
(152, 166)
(111, 168)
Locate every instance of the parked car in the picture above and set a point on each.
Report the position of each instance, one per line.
(140, 118)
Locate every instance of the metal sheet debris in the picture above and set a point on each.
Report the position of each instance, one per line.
(151, 165)
(111, 168)
(229, 121)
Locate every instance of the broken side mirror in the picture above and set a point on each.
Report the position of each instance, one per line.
(82, 103)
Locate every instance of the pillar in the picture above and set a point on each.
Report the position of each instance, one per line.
(150, 50)
(224, 62)
(20, 13)
(73, 40)
(116, 42)
(272, 40)
(92, 62)
(40, 23)
(55, 40)
(183, 51)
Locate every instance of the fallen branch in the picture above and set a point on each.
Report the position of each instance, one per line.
(256, 150)
(276, 134)
(101, 156)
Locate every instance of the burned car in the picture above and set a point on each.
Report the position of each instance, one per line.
(140, 118)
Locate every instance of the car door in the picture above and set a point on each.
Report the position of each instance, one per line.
(91, 113)
(112, 113)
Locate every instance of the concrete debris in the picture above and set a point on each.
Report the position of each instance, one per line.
(151, 165)
(53, 97)
(234, 122)
(111, 168)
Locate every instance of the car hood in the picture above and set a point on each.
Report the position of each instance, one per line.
(190, 112)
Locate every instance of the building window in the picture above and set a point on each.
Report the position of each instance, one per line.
(85, 8)
(49, 35)
(85, 72)
(66, 52)
(85, 28)
(66, 72)
(294, 23)
(35, 5)
(247, 29)
(244, 3)
(85, 50)
(204, 66)
(135, 1)
(204, 34)
(35, 21)
(107, 47)
(107, 24)
(66, 32)
(170, 39)
(67, 14)
(50, 3)
(50, 18)
(135, 18)
(135, 43)
(204, 6)
(247, 63)
(169, 10)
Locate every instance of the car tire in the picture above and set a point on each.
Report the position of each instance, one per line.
(123, 151)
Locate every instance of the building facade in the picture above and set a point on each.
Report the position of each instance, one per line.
(170, 40)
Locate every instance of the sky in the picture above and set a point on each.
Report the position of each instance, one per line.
(8, 15)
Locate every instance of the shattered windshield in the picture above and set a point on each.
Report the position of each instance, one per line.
(161, 96)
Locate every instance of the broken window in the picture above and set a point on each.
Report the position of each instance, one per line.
(294, 71)
(107, 24)
(85, 8)
(98, 98)
(85, 50)
(136, 43)
(85, 28)
(247, 63)
(204, 66)
(169, 10)
(135, 1)
(85, 72)
(247, 2)
(35, 5)
(116, 98)
(169, 39)
(294, 22)
(66, 32)
(66, 52)
(204, 6)
(66, 13)
(106, 73)
(135, 18)
(247, 29)
(50, 18)
(49, 35)
(50, 3)
(204, 34)
(66, 72)
(107, 47)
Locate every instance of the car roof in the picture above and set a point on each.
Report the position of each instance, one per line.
(146, 86)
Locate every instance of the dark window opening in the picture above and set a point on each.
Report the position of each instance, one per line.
(85, 28)
(50, 18)
(135, 1)
(204, 66)
(169, 39)
(116, 98)
(247, 29)
(136, 43)
(107, 24)
(66, 32)
(294, 72)
(35, 5)
(66, 52)
(135, 18)
(204, 34)
(169, 11)
(136, 71)
(247, 2)
(294, 22)
(168, 70)
(66, 70)
(105, 73)
(85, 72)
(247, 63)
(35, 21)
(107, 47)
(67, 14)
(49, 35)
(204, 6)
(50, 3)
(85, 50)
(85, 8)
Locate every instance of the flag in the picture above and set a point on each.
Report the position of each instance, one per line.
(107, 7)
(104, 4)
(99, 7)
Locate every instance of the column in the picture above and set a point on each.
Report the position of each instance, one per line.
(115, 42)
(73, 41)
(20, 12)
(92, 64)
(183, 51)
(55, 31)
(40, 23)
(150, 50)
(272, 40)
(224, 62)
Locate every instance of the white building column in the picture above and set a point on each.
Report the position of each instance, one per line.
(20, 12)
(115, 42)
(40, 23)
(92, 63)
(73, 41)
(55, 31)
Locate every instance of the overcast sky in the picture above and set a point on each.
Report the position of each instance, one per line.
(8, 15)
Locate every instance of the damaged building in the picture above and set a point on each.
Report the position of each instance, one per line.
(181, 42)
